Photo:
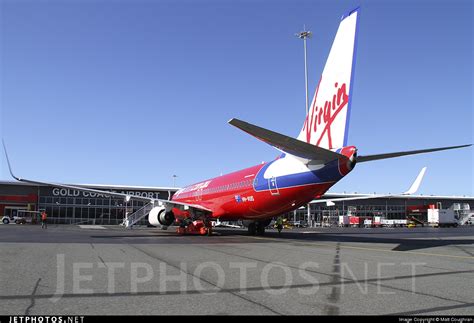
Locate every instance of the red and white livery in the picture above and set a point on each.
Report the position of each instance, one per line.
(305, 169)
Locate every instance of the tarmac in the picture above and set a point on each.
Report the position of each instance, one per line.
(86, 270)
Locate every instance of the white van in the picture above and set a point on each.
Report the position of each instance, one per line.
(20, 215)
(12, 214)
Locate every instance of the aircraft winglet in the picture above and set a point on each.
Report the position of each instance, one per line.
(416, 184)
(8, 161)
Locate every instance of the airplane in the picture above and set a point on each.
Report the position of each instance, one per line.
(306, 168)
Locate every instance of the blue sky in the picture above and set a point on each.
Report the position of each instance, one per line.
(132, 92)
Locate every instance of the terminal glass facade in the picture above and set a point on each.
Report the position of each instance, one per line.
(392, 209)
(76, 207)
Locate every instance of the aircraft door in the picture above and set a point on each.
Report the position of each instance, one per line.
(272, 184)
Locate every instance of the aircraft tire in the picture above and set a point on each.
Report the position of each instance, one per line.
(260, 229)
(252, 229)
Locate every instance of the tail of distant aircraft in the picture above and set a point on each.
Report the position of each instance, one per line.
(327, 122)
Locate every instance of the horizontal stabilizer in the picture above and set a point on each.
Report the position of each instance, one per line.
(362, 159)
(287, 144)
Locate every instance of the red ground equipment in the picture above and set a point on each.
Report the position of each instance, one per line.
(195, 227)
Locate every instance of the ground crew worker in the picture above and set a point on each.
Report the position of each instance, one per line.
(44, 220)
(279, 223)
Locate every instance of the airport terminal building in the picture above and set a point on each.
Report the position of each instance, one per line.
(68, 206)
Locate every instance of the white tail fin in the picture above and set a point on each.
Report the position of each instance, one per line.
(327, 122)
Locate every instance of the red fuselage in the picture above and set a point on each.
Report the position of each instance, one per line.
(248, 194)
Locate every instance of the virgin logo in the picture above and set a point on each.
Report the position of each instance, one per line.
(321, 118)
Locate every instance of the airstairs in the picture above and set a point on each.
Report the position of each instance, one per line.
(136, 216)
(465, 218)
(463, 212)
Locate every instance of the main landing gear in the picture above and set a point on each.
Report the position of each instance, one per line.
(257, 228)
(199, 227)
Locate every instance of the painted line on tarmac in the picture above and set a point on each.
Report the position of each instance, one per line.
(95, 227)
(370, 249)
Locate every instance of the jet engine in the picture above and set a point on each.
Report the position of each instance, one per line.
(159, 216)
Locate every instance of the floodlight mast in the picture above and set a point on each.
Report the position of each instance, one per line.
(174, 180)
(304, 35)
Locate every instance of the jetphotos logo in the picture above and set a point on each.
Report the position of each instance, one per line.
(321, 117)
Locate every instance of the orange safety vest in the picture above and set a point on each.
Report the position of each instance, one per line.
(43, 216)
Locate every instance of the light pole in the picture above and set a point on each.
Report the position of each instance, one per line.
(174, 180)
(304, 35)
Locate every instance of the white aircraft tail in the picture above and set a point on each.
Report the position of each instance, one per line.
(327, 123)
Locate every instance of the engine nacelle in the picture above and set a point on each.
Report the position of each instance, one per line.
(159, 216)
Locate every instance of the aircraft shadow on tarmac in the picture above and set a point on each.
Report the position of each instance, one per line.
(427, 239)
(415, 240)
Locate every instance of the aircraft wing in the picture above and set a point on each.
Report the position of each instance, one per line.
(107, 193)
(287, 144)
(412, 190)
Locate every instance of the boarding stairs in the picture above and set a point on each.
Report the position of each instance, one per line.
(330, 218)
(462, 212)
(136, 216)
(464, 217)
